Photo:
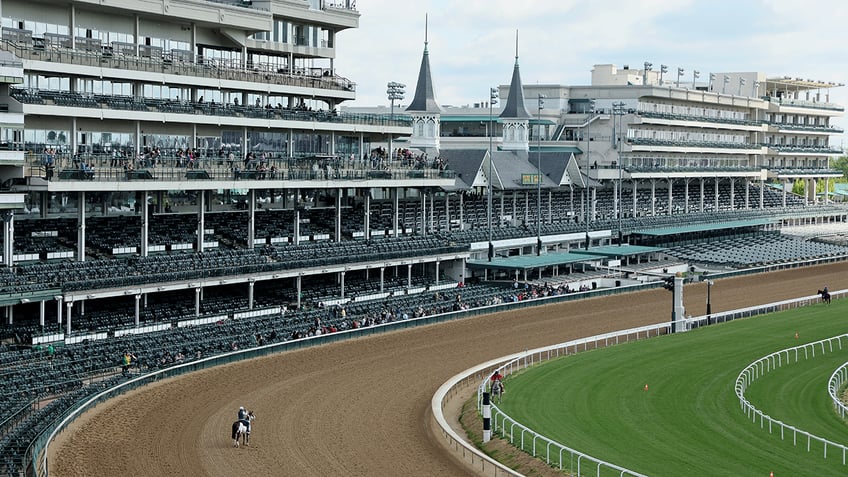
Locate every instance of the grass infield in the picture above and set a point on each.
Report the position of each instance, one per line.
(689, 421)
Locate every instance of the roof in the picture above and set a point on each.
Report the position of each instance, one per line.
(466, 163)
(529, 262)
(661, 231)
(424, 99)
(515, 108)
(477, 118)
(514, 166)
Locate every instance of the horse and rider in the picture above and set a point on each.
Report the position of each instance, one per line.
(496, 385)
(825, 295)
(241, 428)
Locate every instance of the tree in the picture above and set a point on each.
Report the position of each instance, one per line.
(841, 164)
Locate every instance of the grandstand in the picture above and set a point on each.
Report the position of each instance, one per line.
(180, 189)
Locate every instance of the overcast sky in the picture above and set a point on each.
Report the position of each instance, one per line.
(472, 42)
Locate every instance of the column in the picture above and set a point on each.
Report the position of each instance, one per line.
(526, 206)
(59, 310)
(732, 193)
(747, 194)
(201, 220)
(423, 212)
(551, 207)
(69, 307)
(715, 199)
(461, 210)
(342, 284)
(615, 201)
(409, 276)
(670, 196)
(437, 272)
(10, 314)
(137, 309)
(635, 195)
(500, 217)
(41, 314)
(432, 212)
(145, 227)
(366, 219)
(196, 302)
(338, 227)
(685, 196)
(9, 237)
(701, 199)
(81, 226)
(299, 283)
(447, 212)
(762, 194)
(593, 204)
(250, 286)
(826, 189)
(296, 238)
(382, 278)
(653, 197)
(251, 217)
(395, 207)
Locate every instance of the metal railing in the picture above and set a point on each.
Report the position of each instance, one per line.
(834, 385)
(775, 360)
(554, 452)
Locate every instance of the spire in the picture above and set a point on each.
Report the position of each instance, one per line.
(424, 99)
(515, 107)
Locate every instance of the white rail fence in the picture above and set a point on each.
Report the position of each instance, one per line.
(764, 365)
(555, 453)
(834, 385)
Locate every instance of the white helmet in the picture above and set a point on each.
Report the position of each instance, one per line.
(241, 408)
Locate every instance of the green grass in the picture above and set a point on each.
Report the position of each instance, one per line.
(689, 422)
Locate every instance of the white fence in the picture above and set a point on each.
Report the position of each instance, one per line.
(762, 366)
(557, 454)
(837, 380)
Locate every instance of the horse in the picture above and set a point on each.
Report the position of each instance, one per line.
(240, 430)
(497, 390)
(825, 296)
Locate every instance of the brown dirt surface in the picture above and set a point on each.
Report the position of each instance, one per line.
(360, 407)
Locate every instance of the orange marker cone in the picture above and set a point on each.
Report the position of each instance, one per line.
(646, 387)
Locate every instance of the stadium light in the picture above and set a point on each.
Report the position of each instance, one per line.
(541, 104)
(680, 72)
(493, 100)
(645, 72)
(663, 69)
(395, 91)
(695, 75)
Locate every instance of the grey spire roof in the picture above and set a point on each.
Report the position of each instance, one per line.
(424, 99)
(515, 108)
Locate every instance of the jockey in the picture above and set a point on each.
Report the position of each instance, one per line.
(244, 418)
(497, 380)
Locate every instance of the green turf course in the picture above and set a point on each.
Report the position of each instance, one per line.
(689, 422)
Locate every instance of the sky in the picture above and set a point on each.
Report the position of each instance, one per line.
(472, 42)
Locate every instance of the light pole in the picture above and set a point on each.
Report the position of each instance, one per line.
(618, 113)
(695, 75)
(591, 112)
(724, 86)
(680, 72)
(741, 84)
(493, 100)
(663, 69)
(712, 79)
(395, 92)
(709, 305)
(541, 104)
(645, 73)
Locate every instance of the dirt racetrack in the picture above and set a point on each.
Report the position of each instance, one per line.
(358, 408)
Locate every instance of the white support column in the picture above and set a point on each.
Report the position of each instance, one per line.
(250, 286)
(137, 309)
(382, 278)
(447, 212)
(366, 219)
(201, 220)
(41, 313)
(653, 197)
(10, 314)
(747, 194)
(197, 301)
(299, 284)
(762, 194)
(423, 212)
(785, 185)
(635, 195)
(551, 207)
(437, 273)
(81, 226)
(69, 306)
(145, 227)
(670, 196)
(8, 238)
(409, 276)
(701, 199)
(732, 193)
(395, 206)
(251, 218)
(342, 284)
(432, 212)
(59, 310)
(685, 196)
(715, 199)
(593, 205)
(338, 227)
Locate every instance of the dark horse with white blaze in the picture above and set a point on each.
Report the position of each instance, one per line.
(825, 296)
(241, 430)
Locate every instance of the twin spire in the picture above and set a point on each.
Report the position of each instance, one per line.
(424, 100)
(515, 108)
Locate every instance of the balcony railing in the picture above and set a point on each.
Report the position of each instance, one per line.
(708, 119)
(799, 103)
(135, 103)
(272, 167)
(167, 63)
(804, 149)
(809, 127)
(701, 144)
